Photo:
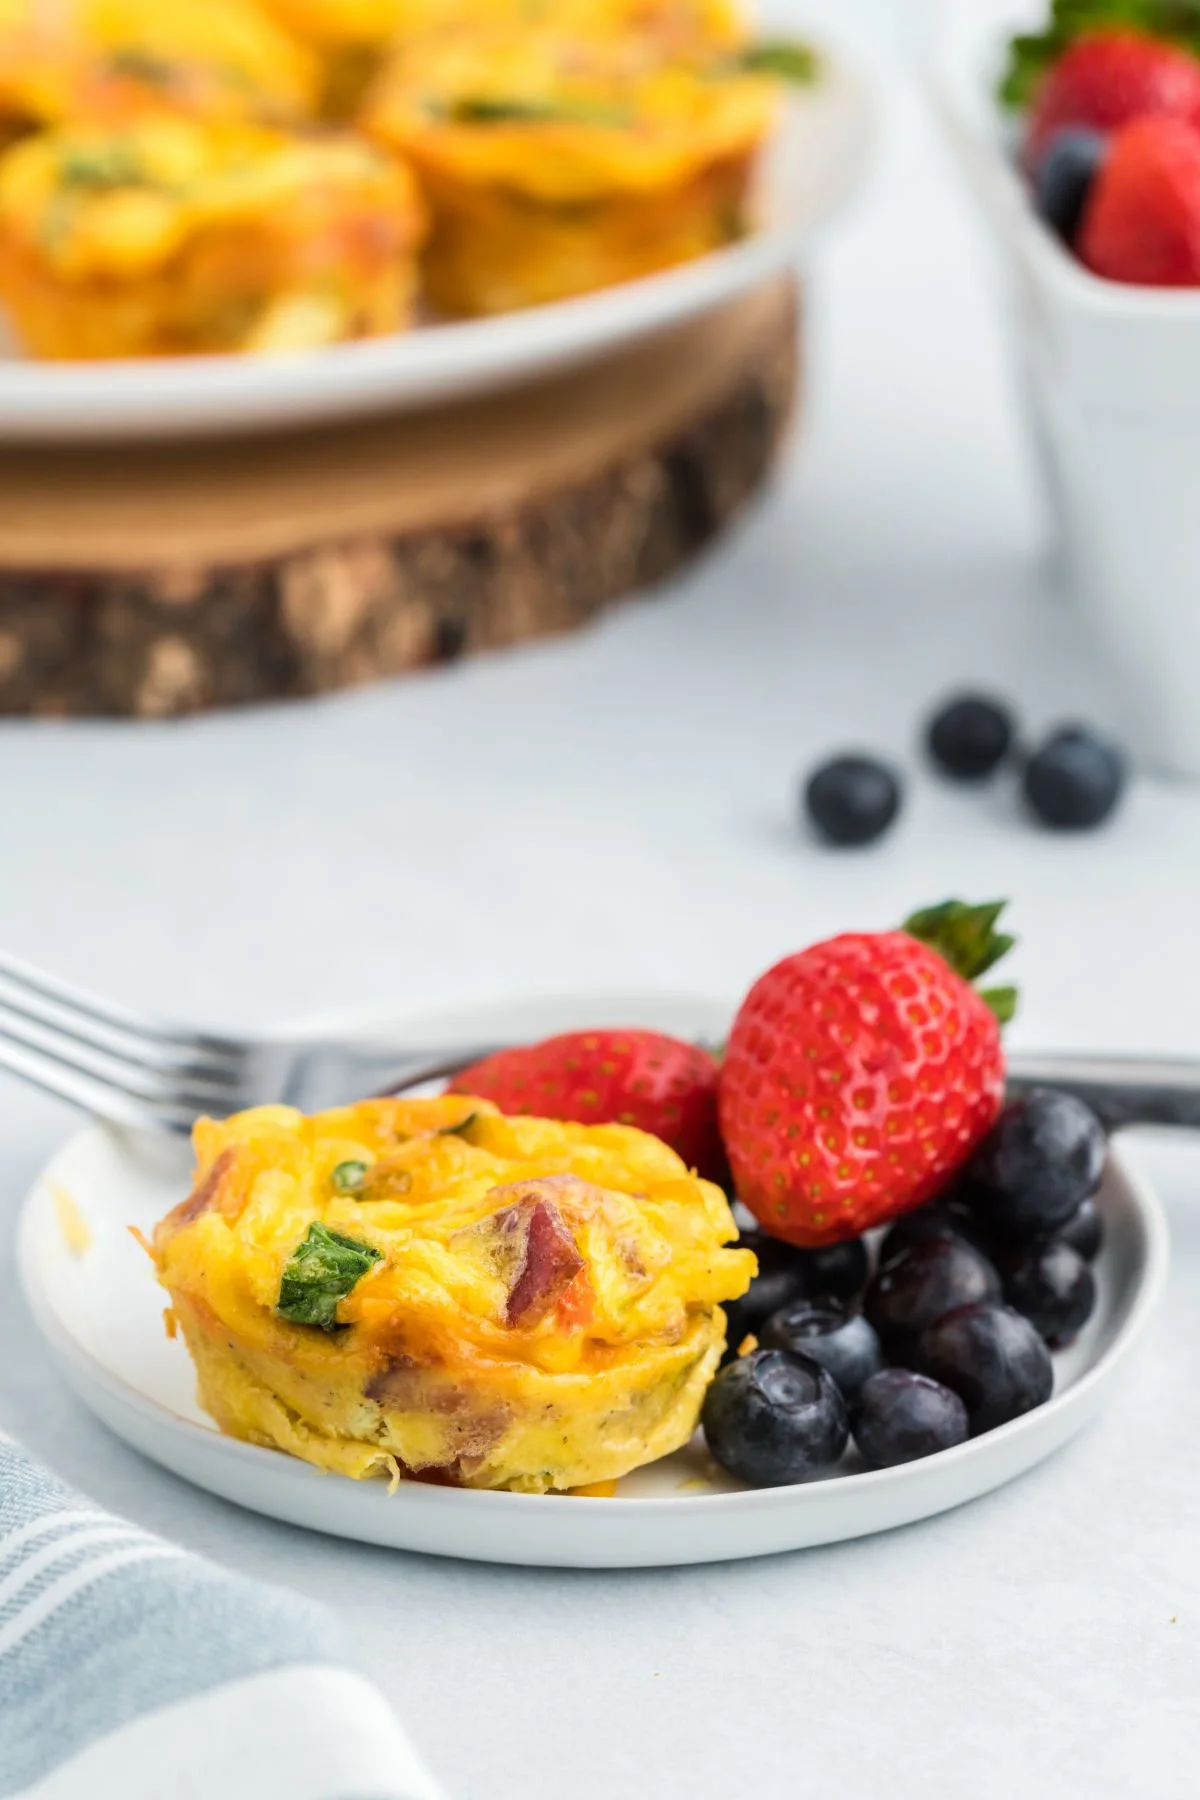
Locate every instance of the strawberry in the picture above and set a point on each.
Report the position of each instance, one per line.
(642, 1078)
(860, 1074)
(1107, 78)
(1142, 221)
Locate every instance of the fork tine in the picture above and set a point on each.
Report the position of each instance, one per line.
(85, 1090)
(157, 1087)
(102, 1012)
(118, 1040)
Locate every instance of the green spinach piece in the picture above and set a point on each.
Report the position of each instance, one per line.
(348, 1177)
(320, 1272)
(488, 109)
(791, 61)
(99, 168)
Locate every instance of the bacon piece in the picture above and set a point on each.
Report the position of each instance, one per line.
(549, 1262)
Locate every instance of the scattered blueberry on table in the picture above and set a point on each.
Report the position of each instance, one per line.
(970, 737)
(1073, 780)
(852, 800)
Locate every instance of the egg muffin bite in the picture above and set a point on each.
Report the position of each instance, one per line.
(350, 37)
(66, 60)
(173, 236)
(556, 162)
(428, 1288)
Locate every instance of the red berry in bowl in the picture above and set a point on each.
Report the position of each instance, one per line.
(1142, 221)
(1107, 78)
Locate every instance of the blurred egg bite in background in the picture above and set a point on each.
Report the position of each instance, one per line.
(428, 1287)
(352, 38)
(62, 61)
(174, 235)
(556, 161)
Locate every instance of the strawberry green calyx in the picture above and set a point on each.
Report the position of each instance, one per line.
(966, 937)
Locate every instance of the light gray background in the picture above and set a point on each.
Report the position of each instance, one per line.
(618, 809)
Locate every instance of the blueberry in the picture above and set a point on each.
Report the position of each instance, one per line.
(1074, 780)
(1084, 1231)
(837, 1269)
(834, 1336)
(1065, 177)
(940, 1219)
(773, 1418)
(1041, 1160)
(852, 800)
(993, 1359)
(786, 1273)
(902, 1416)
(970, 737)
(781, 1279)
(1052, 1287)
(923, 1285)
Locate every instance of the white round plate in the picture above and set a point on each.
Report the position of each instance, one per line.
(812, 167)
(101, 1311)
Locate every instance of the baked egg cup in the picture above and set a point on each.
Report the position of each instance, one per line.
(176, 236)
(110, 59)
(426, 1288)
(556, 162)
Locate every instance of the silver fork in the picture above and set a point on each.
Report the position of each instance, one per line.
(134, 1070)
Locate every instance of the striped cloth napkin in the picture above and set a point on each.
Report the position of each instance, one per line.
(131, 1670)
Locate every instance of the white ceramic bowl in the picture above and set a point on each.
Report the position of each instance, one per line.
(1112, 374)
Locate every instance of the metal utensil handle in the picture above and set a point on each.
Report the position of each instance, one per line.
(1123, 1090)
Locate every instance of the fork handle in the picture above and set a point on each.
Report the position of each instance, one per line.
(1123, 1090)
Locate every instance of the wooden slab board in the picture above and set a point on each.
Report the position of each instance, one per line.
(169, 578)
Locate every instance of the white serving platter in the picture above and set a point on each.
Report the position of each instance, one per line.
(100, 1310)
(812, 168)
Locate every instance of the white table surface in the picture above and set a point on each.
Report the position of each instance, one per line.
(618, 809)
